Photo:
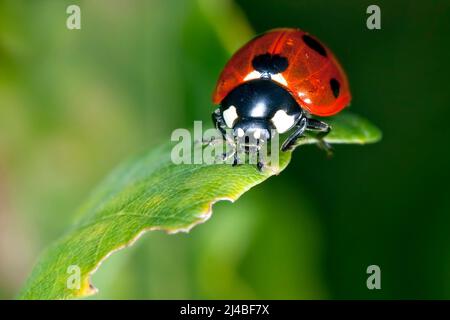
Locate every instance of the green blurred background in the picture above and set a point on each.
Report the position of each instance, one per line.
(74, 103)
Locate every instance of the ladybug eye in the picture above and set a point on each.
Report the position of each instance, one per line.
(230, 115)
(282, 121)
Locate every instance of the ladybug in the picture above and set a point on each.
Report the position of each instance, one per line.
(276, 82)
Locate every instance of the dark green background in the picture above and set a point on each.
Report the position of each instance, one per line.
(75, 103)
(386, 204)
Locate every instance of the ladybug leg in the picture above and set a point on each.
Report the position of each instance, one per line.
(236, 160)
(237, 151)
(318, 126)
(256, 150)
(322, 130)
(225, 156)
(261, 161)
(300, 128)
(220, 125)
(260, 156)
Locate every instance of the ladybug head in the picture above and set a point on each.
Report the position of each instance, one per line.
(256, 107)
(252, 129)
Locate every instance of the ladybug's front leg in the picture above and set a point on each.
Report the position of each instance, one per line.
(322, 130)
(309, 124)
(220, 125)
(300, 128)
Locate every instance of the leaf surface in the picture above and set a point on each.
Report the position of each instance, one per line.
(150, 193)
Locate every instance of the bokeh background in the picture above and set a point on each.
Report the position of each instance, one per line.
(75, 103)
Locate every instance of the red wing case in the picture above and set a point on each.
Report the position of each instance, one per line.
(313, 76)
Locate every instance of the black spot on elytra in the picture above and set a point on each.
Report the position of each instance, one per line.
(335, 87)
(314, 44)
(270, 63)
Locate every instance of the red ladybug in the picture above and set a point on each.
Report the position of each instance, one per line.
(275, 82)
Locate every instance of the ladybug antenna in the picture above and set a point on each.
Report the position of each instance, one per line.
(269, 63)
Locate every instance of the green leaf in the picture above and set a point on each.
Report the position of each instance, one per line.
(151, 193)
